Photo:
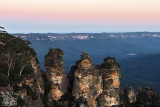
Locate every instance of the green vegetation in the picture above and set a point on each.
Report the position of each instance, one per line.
(141, 71)
(47, 89)
(148, 101)
(15, 63)
(144, 67)
(69, 98)
(20, 102)
(15, 57)
(143, 100)
(136, 83)
(31, 93)
(4, 80)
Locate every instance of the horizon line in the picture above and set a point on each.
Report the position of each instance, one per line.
(86, 32)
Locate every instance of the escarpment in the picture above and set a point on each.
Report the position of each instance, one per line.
(27, 88)
(23, 83)
(56, 74)
(20, 74)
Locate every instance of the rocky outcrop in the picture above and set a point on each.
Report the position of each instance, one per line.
(130, 94)
(147, 90)
(33, 86)
(87, 81)
(110, 71)
(27, 91)
(56, 74)
(22, 84)
(38, 74)
(99, 85)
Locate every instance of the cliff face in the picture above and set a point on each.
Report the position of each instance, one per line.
(110, 71)
(22, 84)
(98, 85)
(27, 91)
(34, 86)
(38, 75)
(87, 81)
(20, 74)
(56, 74)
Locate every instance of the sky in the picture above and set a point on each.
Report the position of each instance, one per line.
(64, 16)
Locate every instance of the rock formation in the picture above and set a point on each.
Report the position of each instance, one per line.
(38, 75)
(87, 81)
(98, 85)
(56, 74)
(34, 84)
(130, 94)
(88, 85)
(110, 71)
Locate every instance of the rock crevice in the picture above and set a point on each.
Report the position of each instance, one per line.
(99, 85)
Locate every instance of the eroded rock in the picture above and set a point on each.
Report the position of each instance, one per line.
(56, 73)
(99, 85)
(131, 95)
(87, 80)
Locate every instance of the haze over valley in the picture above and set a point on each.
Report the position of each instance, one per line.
(135, 51)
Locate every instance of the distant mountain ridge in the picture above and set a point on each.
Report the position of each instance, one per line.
(86, 36)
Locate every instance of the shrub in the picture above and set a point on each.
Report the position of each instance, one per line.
(28, 69)
(31, 93)
(4, 80)
(20, 102)
(44, 100)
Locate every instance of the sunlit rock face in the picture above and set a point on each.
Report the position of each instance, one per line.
(38, 75)
(87, 81)
(98, 85)
(56, 73)
(110, 71)
(131, 95)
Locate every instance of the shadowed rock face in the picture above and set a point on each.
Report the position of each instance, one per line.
(99, 85)
(56, 73)
(110, 71)
(38, 75)
(131, 95)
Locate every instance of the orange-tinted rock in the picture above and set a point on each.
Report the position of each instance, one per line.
(56, 73)
(38, 75)
(99, 86)
(110, 71)
(87, 81)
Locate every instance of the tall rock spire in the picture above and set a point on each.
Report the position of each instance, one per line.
(96, 86)
(87, 81)
(56, 73)
(110, 70)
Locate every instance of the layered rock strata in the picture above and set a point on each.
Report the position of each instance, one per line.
(98, 85)
(56, 74)
(87, 81)
(110, 71)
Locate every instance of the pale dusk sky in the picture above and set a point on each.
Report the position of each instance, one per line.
(63, 16)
